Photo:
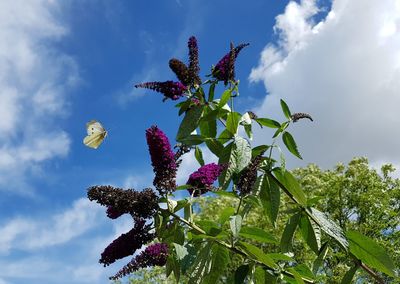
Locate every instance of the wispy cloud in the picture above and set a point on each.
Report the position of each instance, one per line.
(344, 71)
(34, 80)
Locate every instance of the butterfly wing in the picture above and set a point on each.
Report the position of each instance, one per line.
(96, 134)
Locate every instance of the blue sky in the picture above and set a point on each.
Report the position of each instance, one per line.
(64, 63)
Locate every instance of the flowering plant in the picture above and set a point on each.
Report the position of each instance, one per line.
(202, 250)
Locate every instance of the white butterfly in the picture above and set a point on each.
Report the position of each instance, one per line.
(96, 134)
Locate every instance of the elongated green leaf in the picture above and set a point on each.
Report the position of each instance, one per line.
(329, 227)
(285, 109)
(268, 122)
(211, 92)
(258, 254)
(225, 136)
(232, 122)
(281, 129)
(370, 253)
(214, 146)
(241, 273)
(239, 153)
(258, 235)
(192, 140)
(348, 277)
(259, 150)
(219, 261)
(288, 233)
(226, 214)
(292, 185)
(189, 122)
(249, 132)
(270, 198)
(311, 233)
(296, 275)
(321, 257)
(226, 95)
(173, 266)
(304, 271)
(202, 265)
(208, 128)
(210, 115)
(280, 256)
(290, 144)
(261, 276)
(235, 225)
(183, 106)
(199, 156)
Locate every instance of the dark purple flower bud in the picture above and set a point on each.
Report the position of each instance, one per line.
(113, 213)
(203, 179)
(170, 89)
(194, 67)
(225, 68)
(162, 160)
(248, 176)
(300, 115)
(141, 204)
(128, 243)
(180, 70)
(153, 255)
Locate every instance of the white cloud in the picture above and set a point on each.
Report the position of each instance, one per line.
(345, 72)
(34, 78)
(26, 234)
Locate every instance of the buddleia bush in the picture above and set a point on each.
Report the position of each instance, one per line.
(164, 231)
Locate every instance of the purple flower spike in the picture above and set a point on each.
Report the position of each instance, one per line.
(162, 160)
(153, 255)
(194, 67)
(225, 68)
(113, 213)
(171, 90)
(128, 243)
(203, 178)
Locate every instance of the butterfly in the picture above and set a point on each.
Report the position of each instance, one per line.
(96, 134)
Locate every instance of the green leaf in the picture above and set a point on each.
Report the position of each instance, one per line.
(232, 122)
(235, 225)
(192, 140)
(212, 228)
(285, 109)
(225, 135)
(249, 132)
(219, 261)
(292, 185)
(183, 106)
(321, 257)
(241, 273)
(199, 156)
(181, 251)
(348, 277)
(291, 144)
(211, 92)
(281, 129)
(258, 150)
(258, 254)
(296, 275)
(311, 233)
(173, 266)
(288, 233)
(280, 256)
(239, 153)
(226, 95)
(208, 128)
(270, 197)
(329, 226)
(268, 122)
(214, 146)
(257, 234)
(189, 122)
(201, 266)
(226, 214)
(261, 276)
(370, 253)
(304, 271)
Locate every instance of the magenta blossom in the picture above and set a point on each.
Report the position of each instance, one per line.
(203, 179)
(162, 160)
(170, 89)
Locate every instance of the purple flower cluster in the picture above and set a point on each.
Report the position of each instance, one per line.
(181, 71)
(170, 89)
(225, 68)
(128, 243)
(153, 255)
(162, 160)
(194, 67)
(203, 179)
(140, 204)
